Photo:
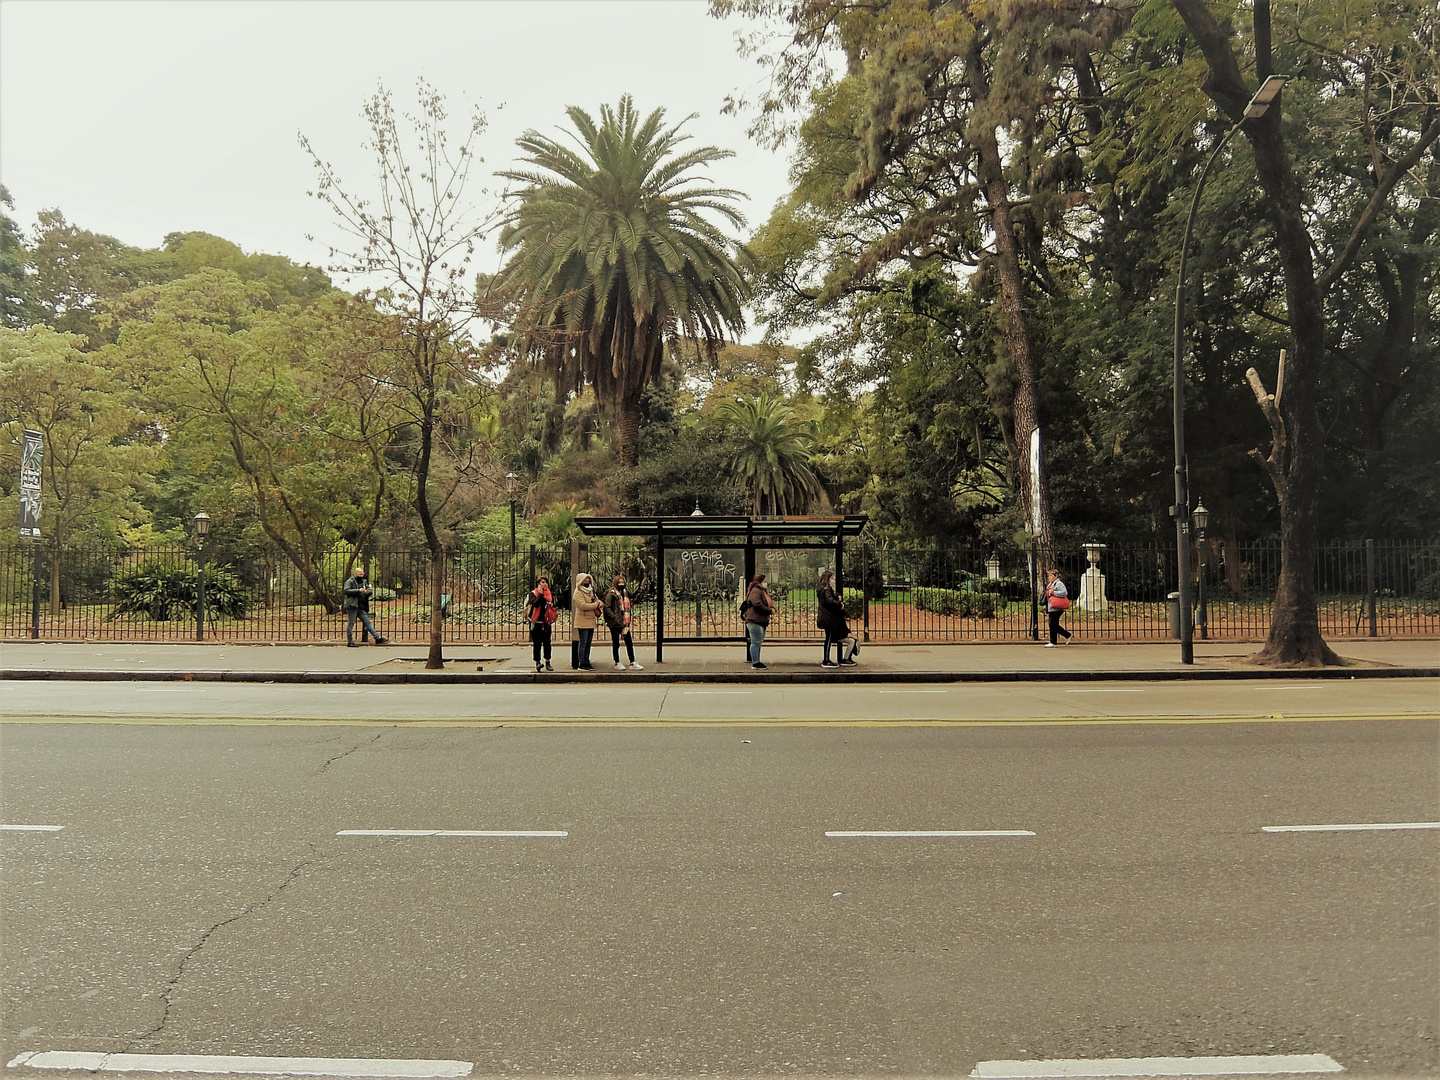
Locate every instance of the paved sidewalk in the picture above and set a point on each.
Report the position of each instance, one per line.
(482, 663)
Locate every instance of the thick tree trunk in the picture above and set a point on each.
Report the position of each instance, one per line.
(628, 449)
(1014, 325)
(1295, 463)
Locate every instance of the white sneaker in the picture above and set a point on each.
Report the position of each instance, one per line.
(1049, 644)
(636, 666)
(619, 667)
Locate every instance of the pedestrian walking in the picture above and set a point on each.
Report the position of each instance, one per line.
(756, 611)
(1057, 602)
(831, 619)
(542, 614)
(585, 608)
(617, 620)
(357, 608)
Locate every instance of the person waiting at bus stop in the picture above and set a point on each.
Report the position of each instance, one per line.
(757, 611)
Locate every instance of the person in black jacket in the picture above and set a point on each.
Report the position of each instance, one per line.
(540, 611)
(831, 619)
(357, 606)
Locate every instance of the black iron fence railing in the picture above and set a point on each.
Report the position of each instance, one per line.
(1385, 588)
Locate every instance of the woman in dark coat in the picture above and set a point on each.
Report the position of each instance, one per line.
(831, 619)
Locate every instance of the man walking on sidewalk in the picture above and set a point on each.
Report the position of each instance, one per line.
(357, 606)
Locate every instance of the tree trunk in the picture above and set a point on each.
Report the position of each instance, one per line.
(435, 658)
(55, 577)
(1295, 463)
(628, 448)
(1014, 323)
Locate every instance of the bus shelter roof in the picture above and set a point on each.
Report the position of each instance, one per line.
(737, 528)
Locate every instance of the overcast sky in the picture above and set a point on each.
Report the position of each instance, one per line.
(142, 118)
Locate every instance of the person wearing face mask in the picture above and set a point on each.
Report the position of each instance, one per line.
(357, 608)
(585, 607)
(617, 618)
(541, 613)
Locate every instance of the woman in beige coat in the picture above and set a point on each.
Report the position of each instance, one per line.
(586, 607)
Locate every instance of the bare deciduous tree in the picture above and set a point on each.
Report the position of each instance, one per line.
(416, 241)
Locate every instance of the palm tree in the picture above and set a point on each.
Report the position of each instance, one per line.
(772, 455)
(614, 256)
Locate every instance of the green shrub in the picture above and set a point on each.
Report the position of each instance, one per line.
(164, 590)
(854, 601)
(979, 605)
(1010, 588)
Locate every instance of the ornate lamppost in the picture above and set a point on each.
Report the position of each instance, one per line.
(1202, 519)
(202, 530)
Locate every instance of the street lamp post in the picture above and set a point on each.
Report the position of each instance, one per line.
(1257, 107)
(510, 482)
(202, 529)
(1202, 519)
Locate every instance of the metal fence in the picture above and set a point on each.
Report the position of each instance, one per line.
(1386, 588)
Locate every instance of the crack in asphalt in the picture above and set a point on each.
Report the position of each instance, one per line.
(347, 753)
(174, 982)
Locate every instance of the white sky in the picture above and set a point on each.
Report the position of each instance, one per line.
(139, 118)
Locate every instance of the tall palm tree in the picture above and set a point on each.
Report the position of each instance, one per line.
(613, 255)
(772, 455)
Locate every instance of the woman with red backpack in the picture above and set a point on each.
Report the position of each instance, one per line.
(542, 614)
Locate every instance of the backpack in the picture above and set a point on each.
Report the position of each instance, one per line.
(745, 606)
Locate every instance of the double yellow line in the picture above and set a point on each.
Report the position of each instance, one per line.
(704, 722)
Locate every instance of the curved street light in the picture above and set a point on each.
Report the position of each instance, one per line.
(1257, 107)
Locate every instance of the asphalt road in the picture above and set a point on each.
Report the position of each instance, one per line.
(681, 702)
(696, 919)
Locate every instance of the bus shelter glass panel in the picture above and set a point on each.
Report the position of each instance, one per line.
(703, 589)
(793, 574)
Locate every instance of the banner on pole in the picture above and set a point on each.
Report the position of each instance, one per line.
(1036, 520)
(32, 455)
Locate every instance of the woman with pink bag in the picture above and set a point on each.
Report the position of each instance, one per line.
(1057, 602)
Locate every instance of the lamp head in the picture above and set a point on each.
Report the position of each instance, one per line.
(1269, 90)
(202, 524)
(1202, 516)
(510, 481)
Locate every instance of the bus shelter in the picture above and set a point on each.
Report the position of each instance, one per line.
(705, 563)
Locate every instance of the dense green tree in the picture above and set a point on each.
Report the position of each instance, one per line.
(291, 398)
(79, 278)
(14, 288)
(1338, 64)
(96, 459)
(953, 135)
(771, 454)
(613, 255)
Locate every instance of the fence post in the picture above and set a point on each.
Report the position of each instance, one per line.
(1370, 584)
(35, 591)
(531, 583)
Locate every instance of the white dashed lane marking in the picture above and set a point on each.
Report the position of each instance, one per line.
(1374, 826)
(1238, 1065)
(929, 833)
(397, 1068)
(450, 832)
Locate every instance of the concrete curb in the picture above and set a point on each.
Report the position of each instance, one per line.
(768, 678)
